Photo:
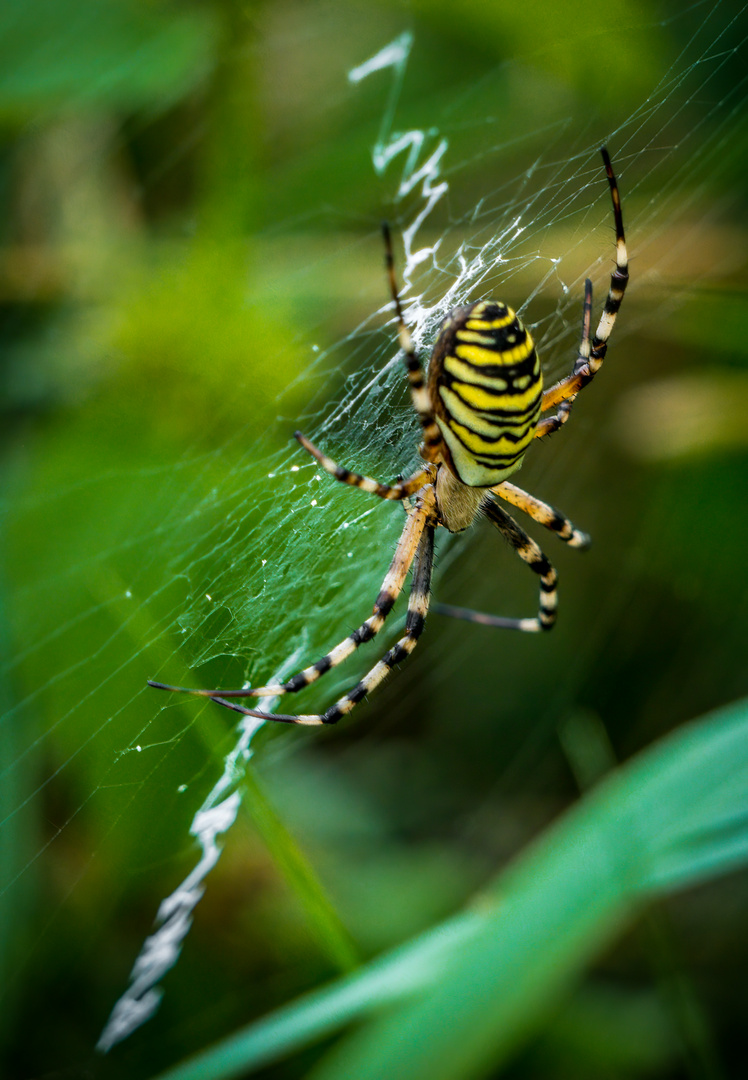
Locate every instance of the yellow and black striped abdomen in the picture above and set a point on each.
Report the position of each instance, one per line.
(485, 385)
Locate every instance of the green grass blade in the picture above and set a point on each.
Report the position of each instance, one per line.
(391, 978)
(324, 921)
(676, 815)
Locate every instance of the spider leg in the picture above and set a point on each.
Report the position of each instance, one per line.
(544, 514)
(581, 364)
(432, 439)
(418, 604)
(365, 483)
(529, 551)
(405, 552)
(582, 374)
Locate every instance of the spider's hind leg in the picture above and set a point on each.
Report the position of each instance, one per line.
(528, 551)
(409, 546)
(418, 604)
(544, 514)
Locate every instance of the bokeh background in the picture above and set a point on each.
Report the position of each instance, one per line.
(190, 267)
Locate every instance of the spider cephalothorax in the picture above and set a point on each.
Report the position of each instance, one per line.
(479, 412)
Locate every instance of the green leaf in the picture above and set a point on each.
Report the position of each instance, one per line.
(468, 991)
(323, 918)
(84, 53)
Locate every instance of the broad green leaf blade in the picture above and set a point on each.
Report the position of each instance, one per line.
(673, 817)
(396, 976)
(471, 989)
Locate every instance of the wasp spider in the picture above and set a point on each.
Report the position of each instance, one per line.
(479, 410)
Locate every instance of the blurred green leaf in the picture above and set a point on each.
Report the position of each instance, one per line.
(536, 33)
(713, 322)
(674, 817)
(81, 53)
(395, 976)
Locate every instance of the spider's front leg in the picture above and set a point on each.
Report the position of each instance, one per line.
(418, 604)
(419, 392)
(590, 358)
(564, 393)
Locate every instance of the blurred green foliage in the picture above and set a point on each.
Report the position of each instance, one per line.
(81, 56)
(190, 219)
(672, 818)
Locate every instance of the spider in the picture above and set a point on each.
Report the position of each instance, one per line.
(479, 411)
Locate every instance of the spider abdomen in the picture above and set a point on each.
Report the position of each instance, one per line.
(485, 385)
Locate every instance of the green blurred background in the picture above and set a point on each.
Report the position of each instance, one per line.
(189, 240)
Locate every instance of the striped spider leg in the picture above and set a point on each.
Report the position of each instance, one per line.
(529, 552)
(433, 444)
(544, 514)
(590, 359)
(538, 562)
(400, 490)
(415, 546)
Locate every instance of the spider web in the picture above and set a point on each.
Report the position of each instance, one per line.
(242, 561)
